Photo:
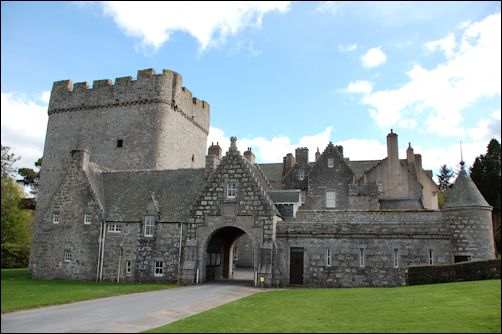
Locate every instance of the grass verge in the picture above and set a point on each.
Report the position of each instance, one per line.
(20, 291)
(435, 308)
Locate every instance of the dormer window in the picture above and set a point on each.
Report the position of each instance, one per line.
(149, 226)
(301, 174)
(331, 162)
(231, 190)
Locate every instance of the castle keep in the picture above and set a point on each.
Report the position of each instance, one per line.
(128, 192)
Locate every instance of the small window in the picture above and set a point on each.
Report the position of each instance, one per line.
(328, 257)
(330, 199)
(302, 197)
(396, 258)
(87, 218)
(431, 256)
(67, 255)
(301, 174)
(149, 226)
(361, 257)
(462, 258)
(231, 190)
(120, 143)
(115, 228)
(331, 162)
(159, 268)
(128, 268)
(55, 217)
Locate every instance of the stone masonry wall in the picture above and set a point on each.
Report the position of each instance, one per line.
(142, 252)
(413, 234)
(73, 199)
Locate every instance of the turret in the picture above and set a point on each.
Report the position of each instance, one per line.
(302, 155)
(470, 220)
(317, 155)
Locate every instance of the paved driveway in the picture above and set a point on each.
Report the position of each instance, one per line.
(129, 313)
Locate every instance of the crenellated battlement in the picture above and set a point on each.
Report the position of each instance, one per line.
(148, 88)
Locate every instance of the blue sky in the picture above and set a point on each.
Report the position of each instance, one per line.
(277, 75)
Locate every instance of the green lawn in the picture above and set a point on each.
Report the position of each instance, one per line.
(451, 307)
(20, 291)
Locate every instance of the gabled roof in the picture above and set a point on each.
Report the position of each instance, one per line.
(464, 193)
(359, 167)
(128, 193)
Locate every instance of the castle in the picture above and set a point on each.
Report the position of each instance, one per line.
(128, 193)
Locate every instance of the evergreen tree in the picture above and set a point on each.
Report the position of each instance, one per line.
(485, 172)
(30, 177)
(444, 177)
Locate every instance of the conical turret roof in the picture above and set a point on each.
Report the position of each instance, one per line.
(464, 192)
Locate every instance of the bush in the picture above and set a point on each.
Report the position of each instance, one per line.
(15, 255)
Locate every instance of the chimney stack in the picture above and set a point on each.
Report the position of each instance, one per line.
(249, 155)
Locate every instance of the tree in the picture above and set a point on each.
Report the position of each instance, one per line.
(8, 160)
(485, 172)
(30, 177)
(16, 222)
(444, 176)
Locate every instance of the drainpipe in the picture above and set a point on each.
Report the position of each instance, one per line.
(120, 260)
(179, 254)
(102, 253)
(99, 250)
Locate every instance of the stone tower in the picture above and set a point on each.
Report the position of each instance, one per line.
(151, 123)
(470, 219)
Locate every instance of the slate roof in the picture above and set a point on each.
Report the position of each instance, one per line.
(464, 193)
(273, 172)
(285, 196)
(359, 167)
(95, 177)
(127, 193)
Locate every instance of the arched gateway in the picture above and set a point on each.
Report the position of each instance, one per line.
(235, 202)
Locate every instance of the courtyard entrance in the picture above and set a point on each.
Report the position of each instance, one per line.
(230, 256)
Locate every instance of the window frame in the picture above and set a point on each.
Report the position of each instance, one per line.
(87, 219)
(361, 258)
(328, 257)
(333, 199)
(301, 175)
(158, 269)
(55, 217)
(149, 225)
(331, 162)
(114, 228)
(396, 258)
(231, 191)
(431, 256)
(128, 268)
(67, 255)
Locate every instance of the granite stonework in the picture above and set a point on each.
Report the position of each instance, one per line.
(127, 193)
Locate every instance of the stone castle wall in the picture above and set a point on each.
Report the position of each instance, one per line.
(345, 233)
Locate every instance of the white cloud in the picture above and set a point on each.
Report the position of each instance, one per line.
(439, 95)
(45, 96)
(446, 44)
(209, 22)
(373, 58)
(360, 86)
(24, 123)
(347, 48)
(271, 150)
(329, 7)
(486, 129)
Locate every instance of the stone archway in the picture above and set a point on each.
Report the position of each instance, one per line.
(220, 252)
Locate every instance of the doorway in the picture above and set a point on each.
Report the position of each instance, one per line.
(296, 266)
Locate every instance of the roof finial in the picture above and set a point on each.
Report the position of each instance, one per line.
(462, 163)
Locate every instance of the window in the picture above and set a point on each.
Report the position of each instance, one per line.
(301, 174)
(55, 217)
(128, 268)
(231, 190)
(87, 218)
(149, 226)
(330, 199)
(328, 257)
(120, 143)
(431, 257)
(361, 257)
(396, 258)
(67, 255)
(462, 258)
(115, 228)
(331, 162)
(159, 269)
(302, 197)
